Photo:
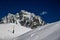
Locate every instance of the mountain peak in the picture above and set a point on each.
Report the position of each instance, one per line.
(24, 18)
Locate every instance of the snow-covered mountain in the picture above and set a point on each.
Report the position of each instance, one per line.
(24, 18)
(14, 25)
(18, 27)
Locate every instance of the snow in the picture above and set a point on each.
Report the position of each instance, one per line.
(26, 14)
(7, 29)
(47, 32)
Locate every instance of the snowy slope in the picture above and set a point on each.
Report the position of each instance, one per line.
(7, 29)
(47, 32)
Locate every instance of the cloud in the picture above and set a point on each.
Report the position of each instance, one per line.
(43, 13)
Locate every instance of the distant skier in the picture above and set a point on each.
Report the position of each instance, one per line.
(13, 30)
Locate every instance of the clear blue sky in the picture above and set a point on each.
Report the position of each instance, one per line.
(52, 7)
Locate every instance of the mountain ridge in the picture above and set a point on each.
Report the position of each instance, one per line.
(25, 18)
